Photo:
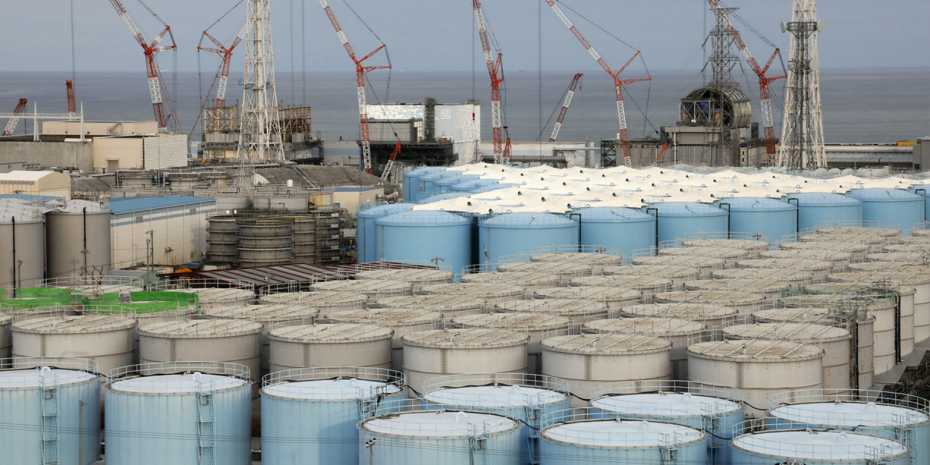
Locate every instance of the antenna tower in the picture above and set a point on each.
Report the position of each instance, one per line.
(260, 126)
(802, 143)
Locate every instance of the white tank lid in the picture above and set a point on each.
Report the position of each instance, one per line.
(433, 302)
(388, 317)
(840, 301)
(851, 414)
(331, 389)
(827, 243)
(263, 313)
(465, 338)
(857, 231)
(688, 261)
(409, 275)
(45, 376)
(363, 286)
(596, 294)
(764, 285)
(755, 351)
(439, 424)
(622, 433)
(663, 327)
(317, 299)
(177, 384)
(792, 264)
(796, 276)
(74, 324)
(819, 445)
(579, 257)
(221, 295)
(744, 244)
(198, 329)
(606, 344)
(482, 290)
(563, 307)
(495, 396)
(648, 273)
(547, 267)
(671, 404)
(731, 298)
(794, 314)
(786, 331)
(516, 321)
(810, 254)
(684, 311)
(342, 333)
(519, 278)
(711, 252)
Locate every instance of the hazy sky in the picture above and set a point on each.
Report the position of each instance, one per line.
(437, 34)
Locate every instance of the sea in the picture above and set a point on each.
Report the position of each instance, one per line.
(859, 106)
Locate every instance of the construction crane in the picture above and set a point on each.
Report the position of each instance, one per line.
(361, 78)
(221, 81)
(13, 122)
(761, 72)
(69, 90)
(494, 60)
(389, 166)
(623, 136)
(566, 104)
(151, 49)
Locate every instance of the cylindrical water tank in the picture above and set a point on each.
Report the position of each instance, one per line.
(436, 238)
(371, 288)
(448, 306)
(537, 326)
(592, 364)
(745, 303)
(322, 302)
(528, 280)
(576, 439)
(820, 270)
(750, 245)
(577, 311)
(310, 415)
(178, 413)
(78, 241)
(22, 259)
(366, 230)
(215, 340)
(677, 332)
(614, 298)
(712, 317)
(704, 265)
(437, 355)
(834, 342)
(440, 437)
(108, 341)
(821, 209)
(890, 208)
(330, 345)
(413, 184)
(417, 277)
(695, 409)
(886, 414)
(221, 296)
(783, 444)
(427, 184)
(6, 337)
(401, 320)
(756, 370)
(518, 236)
(762, 218)
(489, 293)
(50, 412)
(624, 232)
(679, 221)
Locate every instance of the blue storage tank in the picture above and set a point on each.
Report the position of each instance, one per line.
(890, 208)
(823, 209)
(923, 191)
(413, 181)
(366, 230)
(439, 438)
(440, 197)
(70, 400)
(422, 237)
(624, 232)
(767, 219)
(179, 413)
(679, 221)
(816, 447)
(452, 178)
(712, 414)
(518, 236)
(428, 183)
(309, 416)
(468, 186)
(579, 440)
(523, 397)
(890, 415)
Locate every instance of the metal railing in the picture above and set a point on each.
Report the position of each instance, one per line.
(232, 370)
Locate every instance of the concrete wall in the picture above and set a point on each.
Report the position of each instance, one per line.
(165, 151)
(180, 235)
(47, 154)
(111, 153)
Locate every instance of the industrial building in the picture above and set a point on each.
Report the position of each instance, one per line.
(159, 230)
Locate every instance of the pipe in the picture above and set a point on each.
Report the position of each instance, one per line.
(923, 193)
(797, 216)
(84, 249)
(655, 212)
(572, 216)
(13, 261)
(721, 204)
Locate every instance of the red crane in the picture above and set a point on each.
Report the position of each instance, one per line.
(69, 89)
(495, 64)
(13, 122)
(389, 166)
(361, 71)
(151, 50)
(221, 81)
(566, 104)
(623, 136)
(765, 80)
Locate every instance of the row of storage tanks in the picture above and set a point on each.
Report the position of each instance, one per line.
(457, 241)
(386, 319)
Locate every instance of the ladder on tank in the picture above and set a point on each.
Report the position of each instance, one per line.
(532, 438)
(205, 427)
(668, 452)
(49, 407)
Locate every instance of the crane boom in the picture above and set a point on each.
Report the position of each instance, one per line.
(623, 136)
(225, 52)
(361, 71)
(13, 122)
(761, 72)
(69, 90)
(151, 50)
(566, 104)
(495, 65)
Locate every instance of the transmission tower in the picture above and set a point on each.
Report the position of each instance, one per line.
(802, 145)
(721, 61)
(260, 127)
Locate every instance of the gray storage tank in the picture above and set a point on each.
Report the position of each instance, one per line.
(78, 240)
(214, 340)
(106, 340)
(22, 261)
(308, 346)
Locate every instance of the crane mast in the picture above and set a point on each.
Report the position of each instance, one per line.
(151, 50)
(225, 53)
(69, 90)
(361, 71)
(566, 104)
(623, 135)
(495, 64)
(13, 122)
(761, 72)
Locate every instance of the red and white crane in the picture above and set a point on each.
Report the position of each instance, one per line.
(69, 90)
(623, 136)
(225, 52)
(494, 60)
(13, 122)
(566, 104)
(765, 80)
(361, 71)
(151, 49)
